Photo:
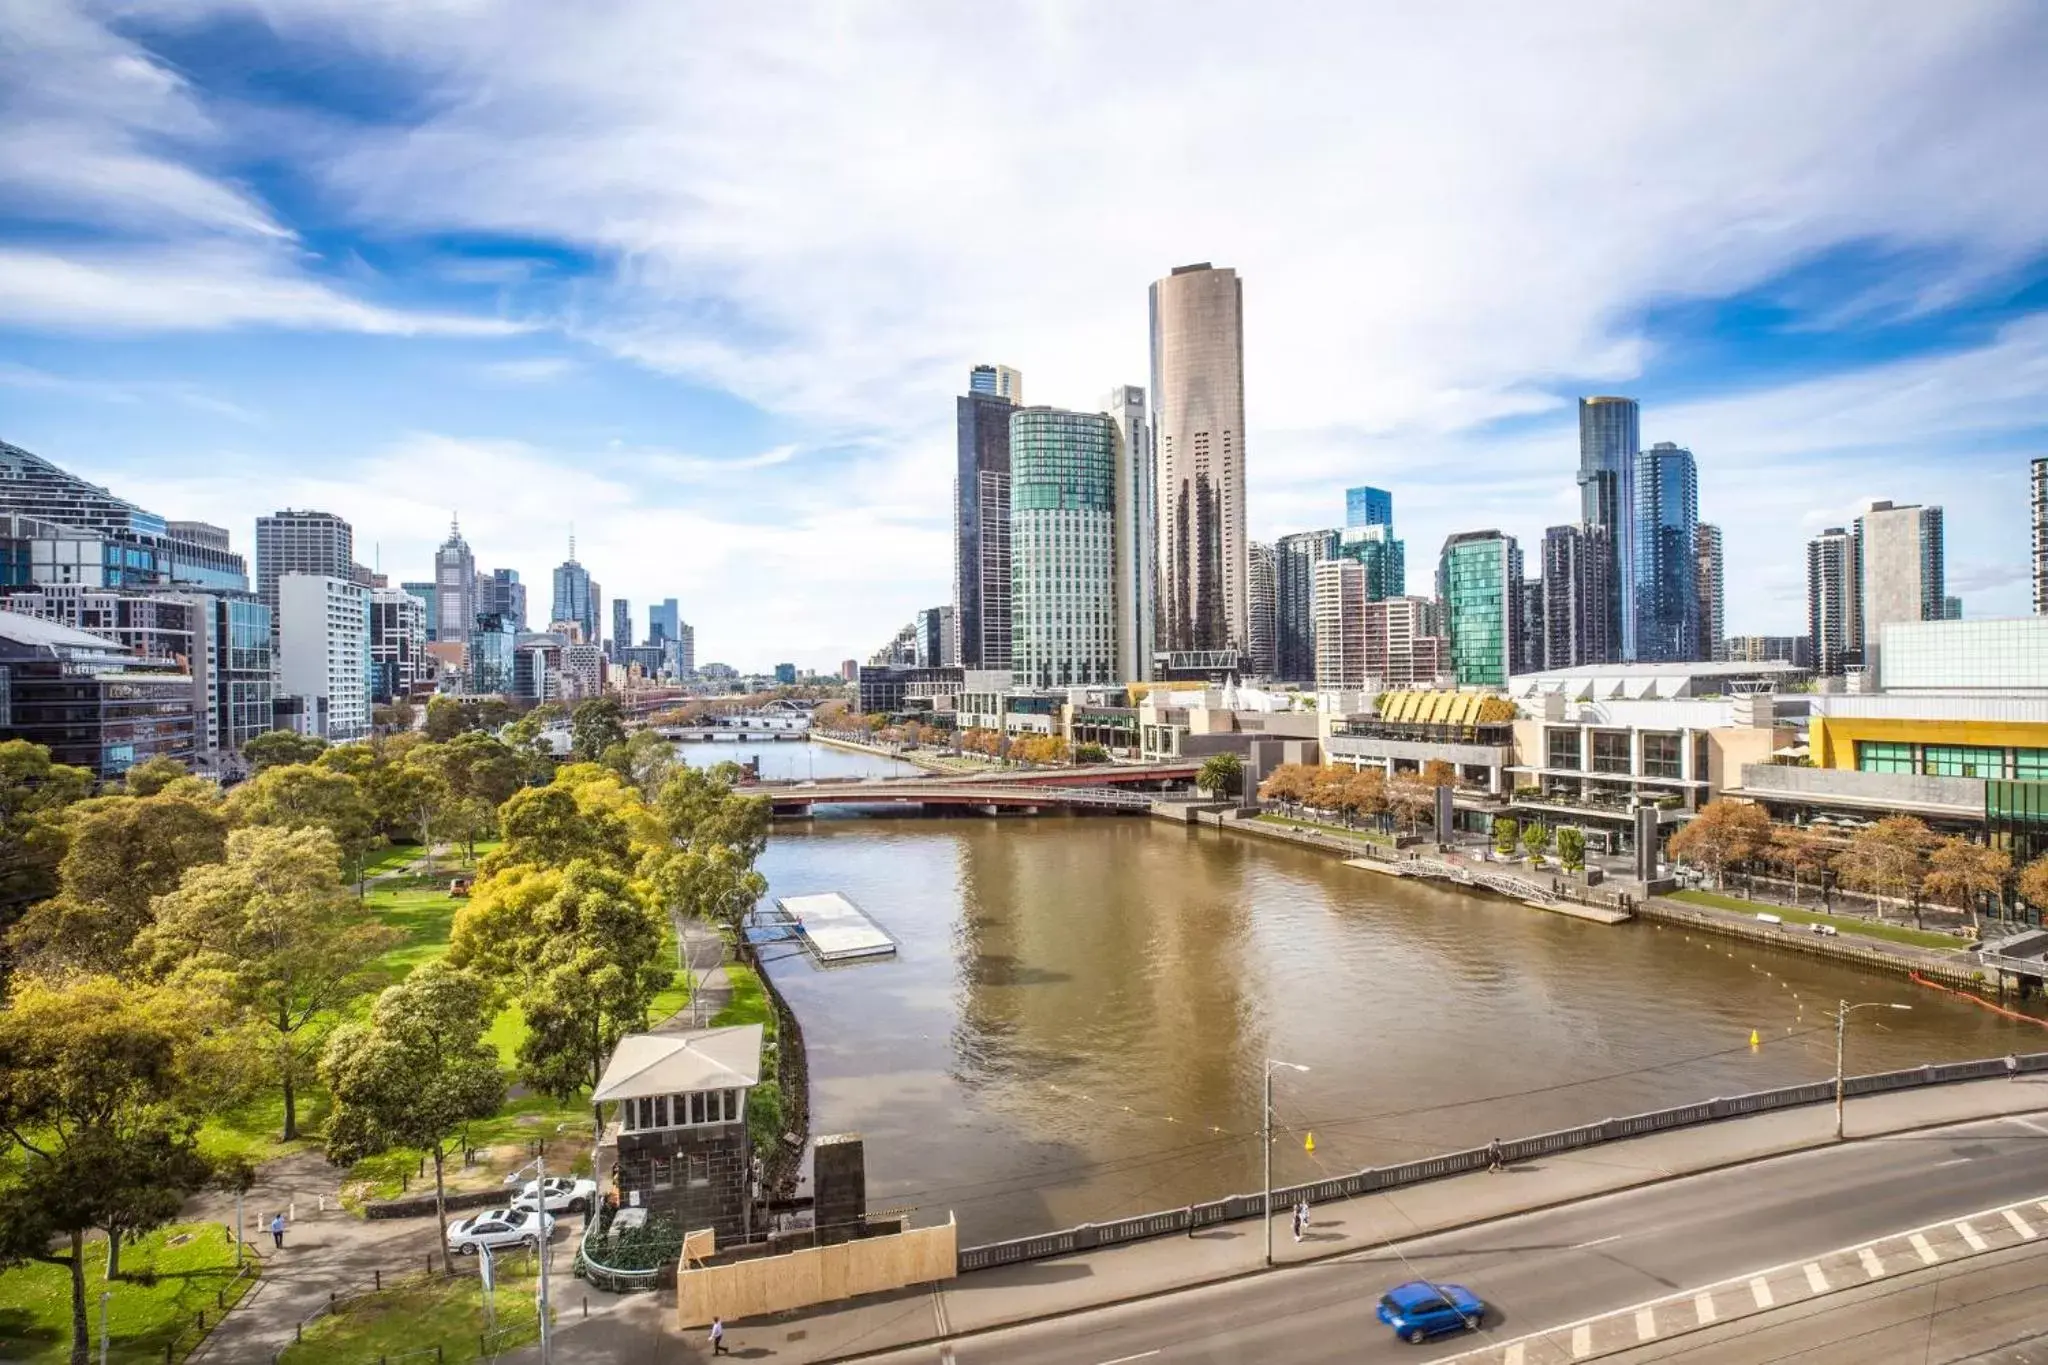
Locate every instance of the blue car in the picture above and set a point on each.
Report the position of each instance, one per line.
(1420, 1310)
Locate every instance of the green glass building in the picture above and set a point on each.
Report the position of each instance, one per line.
(1479, 582)
(1062, 547)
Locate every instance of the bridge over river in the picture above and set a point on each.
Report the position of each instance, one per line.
(1095, 788)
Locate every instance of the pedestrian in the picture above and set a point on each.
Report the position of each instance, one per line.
(277, 1229)
(1302, 1219)
(1493, 1156)
(1191, 1220)
(718, 1337)
(2012, 1066)
(1296, 1219)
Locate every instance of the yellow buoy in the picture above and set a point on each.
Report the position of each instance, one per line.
(1753, 1039)
(1308, 1144)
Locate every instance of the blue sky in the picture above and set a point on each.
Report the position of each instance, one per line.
(702, 285)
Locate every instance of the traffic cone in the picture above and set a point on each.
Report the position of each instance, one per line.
(1754, 1041)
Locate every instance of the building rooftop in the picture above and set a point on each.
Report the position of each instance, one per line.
(671, 1063)
(1596, 682)
(39, 634)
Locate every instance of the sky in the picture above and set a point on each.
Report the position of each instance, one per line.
(698, 283)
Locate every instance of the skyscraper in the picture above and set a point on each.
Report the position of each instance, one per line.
(1294, 572)
(2041, 536)
(398, 643)
(501, 591)
(1901, 569)
(1479, 582)
(1713, 598)
(1368, 507)
(1533, 640)
(1339, 598)
(622, 625)
(1834, 602)
(1384, 557)
(454, 587)
(997, 381)
(1609, 440)
(1263, 612)
(576, 596)
(318, 543)
(1577, 564)
(1666, 565)
(324, 650)
(1062, 529)
(935, 636)
(1198, 428)
(981, 530)
(664, 621)
(428, 594)
(1137, 534)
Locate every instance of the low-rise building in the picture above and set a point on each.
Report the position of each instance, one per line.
(678, 1138)
(1472, 731)
(91, 703)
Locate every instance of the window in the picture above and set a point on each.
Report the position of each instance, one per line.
(700, 1168)
(697, 1106)
(661, 1172)
(2030, 765)
(1963, 760)
(1561, 748)
(732, 1105)
(1661, 756)
(1878, 756)
(1610, 751)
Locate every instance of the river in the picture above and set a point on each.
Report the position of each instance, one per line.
(1075, 1023)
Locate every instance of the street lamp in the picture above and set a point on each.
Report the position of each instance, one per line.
(1266, 1133)
(1841, 1028)
(545, 1242)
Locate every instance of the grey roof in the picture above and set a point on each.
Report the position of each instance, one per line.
(37, 633)
(670, 1063)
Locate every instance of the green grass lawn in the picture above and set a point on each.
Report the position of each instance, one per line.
(420, 1313)
(1847, 924)
(1362, 835)
(188, 1264)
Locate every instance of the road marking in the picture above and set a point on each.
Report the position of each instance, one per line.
(1760, 1290)
(1927, 1253)
(1646, 1323)
(1582, 1342)
(2020, 1225)
(1871, 1263)
(1120, 1360)
(1598, 1241)
(1816, 1281)
(1973, 1237)
(1514, 1354)
(1703, 1305)
(1952, 1161)
(2029, 1123)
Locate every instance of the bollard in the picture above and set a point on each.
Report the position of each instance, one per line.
(404, 1182)
(330, 1300)
(377, 1279)
(586, 1305)
(437, 1353)
(202, 1319)
(430, 1263)
(298, 1331)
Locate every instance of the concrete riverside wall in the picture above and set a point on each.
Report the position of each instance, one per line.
(775, 1284)
(1376, 1178)
(1897, 958)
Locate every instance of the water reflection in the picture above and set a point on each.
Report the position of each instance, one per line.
(1074, 1026)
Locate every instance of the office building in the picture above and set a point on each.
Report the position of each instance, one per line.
(1479, 583)
(1137, 533)
(936, 637)
(683, 651)
(1834, 602)
(997, 381)
(1534, 639)
(1368, 507)
(664, 621)
(455, 596)
(234, 664)
(1263, 613)
(2040, 495)
(1901, 569)
(501, 593)
(398, 644)
(576, 596)
(58, 530)
(1295, 558)
(622, 625)
(1577, 597)
(1199, 438)
(428, 594)
(849, 670)
(785, 675)
(1063, 560)
(291, 542)
(1988, 658)
(88, 701)
(1667, 599)
(323, 649)
(1385, 558)
(1339, 599)
(1712, 591)
(1609, 440)
(1796, 650)
(1951, 608)
(1366, 645)
(981, 529)
(494, 648)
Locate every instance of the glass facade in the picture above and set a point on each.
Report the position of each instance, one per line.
(1990, 762)
(1479, 581)
(1609, 437)
(1368, 507)
(1666, 556)
(1062, 550)
(1965, 656)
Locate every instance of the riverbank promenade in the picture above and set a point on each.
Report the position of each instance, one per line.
(1052, 1288)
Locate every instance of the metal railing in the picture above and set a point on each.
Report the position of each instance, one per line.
(1373, 1179)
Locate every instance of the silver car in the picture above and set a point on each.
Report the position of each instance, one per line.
(496, 1228)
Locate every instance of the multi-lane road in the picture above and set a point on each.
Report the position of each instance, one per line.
(1544, 1269)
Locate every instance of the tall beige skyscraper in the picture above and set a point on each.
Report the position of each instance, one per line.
(1204, 569)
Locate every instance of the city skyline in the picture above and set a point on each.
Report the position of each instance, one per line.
(343, 289)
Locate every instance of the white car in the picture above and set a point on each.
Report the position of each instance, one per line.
(496, 1228)
(562, 1193)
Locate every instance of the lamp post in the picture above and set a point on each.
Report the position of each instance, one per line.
(544, 1244)
(1266, 1136)
(1841, 1030)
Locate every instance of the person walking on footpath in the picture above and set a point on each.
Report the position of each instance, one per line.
(1493, 1156)
(718, 1337)
(277, 1229)
(2012, 1066)
(1301, 1220)
(1191, 1220)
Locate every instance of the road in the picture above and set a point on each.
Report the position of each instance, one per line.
(1542, 1269)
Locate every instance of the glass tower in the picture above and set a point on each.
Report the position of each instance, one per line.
(1294, 580)
(1062, 547)
(1368, 507)
(1666, 559)
(1609, 438)
(1479, 582)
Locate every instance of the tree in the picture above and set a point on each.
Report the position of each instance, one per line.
(418, 794)
(1090, 753)
(1961, 873)
(102, 1087)
(546, 827)
(1438, 773)
(308, 796)
(715, 883)
(699, 808)
(1221, 775)
(2033, 882)
(1411, 800)
(1721, 835)
(446, 719)
(1364, 794)
(1571, 847)
(33, 792)
(1535, 838)
(1505, 833)
(398, 717)
(416, 1075)
(594, 726)
(1888, 858)
(496, 931)
(153, 774)
(274, 927)
(281, 748)
(1799, 854)
(124, 852)
(646, 760)
(1286, 784)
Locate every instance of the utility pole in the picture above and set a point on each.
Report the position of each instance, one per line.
(1841, 1031)
(1266, 1141)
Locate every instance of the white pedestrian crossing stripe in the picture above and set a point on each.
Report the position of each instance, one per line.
(1513, 1355)
(1816, 1281)
(1927, 1253)
(1760, 1290)
(2020, 1225)
(1871, 1263)
(1582, 1341)
(1703, 1304)
(1646, 1323)
(1973, 1237)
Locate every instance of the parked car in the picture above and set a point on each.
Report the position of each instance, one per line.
(496, 1228)
(562, 1193)
(1419, 1310)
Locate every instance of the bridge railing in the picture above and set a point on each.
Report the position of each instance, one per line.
(1376, 1178)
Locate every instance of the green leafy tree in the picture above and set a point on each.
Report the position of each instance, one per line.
(546, 827)
(474, 765)
(153, 774)
(415, 797)
(417, 1074)
(396, 717)
(33, 793)
(715, 883)
(1221, 775)
(1535, 838)
(1505, 834)
(124, 852)
(281, 748)
(1571, 848)
(103, 1084)
(274, 929)
(1090, 753)
(595, 726)
(699, 808)
(446, 719)
(307, 796)
(646, 760)
(492, 713)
